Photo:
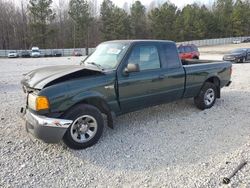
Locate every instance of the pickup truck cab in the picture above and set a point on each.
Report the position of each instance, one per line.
(71, 102)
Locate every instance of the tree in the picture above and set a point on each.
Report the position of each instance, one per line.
(80, 14)
(24, 26)
(94, 37)
(223, 10)
(115, 22)
(121, 25)
(138, 20)
(193, 22)
(178, 26)
(162, 21)
(210, 21)
(41, 15)
(240, 18)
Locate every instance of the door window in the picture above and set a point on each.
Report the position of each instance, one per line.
(146, 57)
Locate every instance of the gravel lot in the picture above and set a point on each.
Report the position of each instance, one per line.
(172, 145)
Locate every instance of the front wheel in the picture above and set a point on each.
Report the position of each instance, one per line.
(206, 97)
(86, 129)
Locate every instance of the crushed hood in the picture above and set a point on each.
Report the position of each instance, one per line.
(42, 77)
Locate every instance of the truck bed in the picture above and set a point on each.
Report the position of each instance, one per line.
(197, 71)
(197, 61)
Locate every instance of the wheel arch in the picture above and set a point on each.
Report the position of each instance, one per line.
(216, 81)
(100, 104)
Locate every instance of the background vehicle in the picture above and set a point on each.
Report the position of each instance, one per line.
(25, 54)
(77, 53)
(54, 53)
(35, 52)
(240, 55)
(236, 41)
(48, 54)
(67, 102)
(57, 53)
(13, 54)
(246, 40)
(188, 52)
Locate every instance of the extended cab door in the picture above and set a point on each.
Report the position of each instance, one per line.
(173, 84)
(153, 84)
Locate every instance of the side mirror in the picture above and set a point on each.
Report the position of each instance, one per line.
(132, 68)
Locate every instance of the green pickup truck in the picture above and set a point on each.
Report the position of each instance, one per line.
(70, 102)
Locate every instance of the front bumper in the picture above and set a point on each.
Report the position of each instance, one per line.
(49, 130)
(232, 59)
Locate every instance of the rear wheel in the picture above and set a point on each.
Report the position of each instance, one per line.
(206, 97)
(243, 60)
(86, 129)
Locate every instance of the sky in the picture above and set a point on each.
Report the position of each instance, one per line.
(120, 3)
(178, 3)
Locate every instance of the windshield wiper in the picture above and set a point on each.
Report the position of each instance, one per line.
(97, 65)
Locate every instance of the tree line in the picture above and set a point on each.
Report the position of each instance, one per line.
(81, 23)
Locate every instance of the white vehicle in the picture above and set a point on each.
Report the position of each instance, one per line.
(35, 52)
(236, 41)
(13, 54)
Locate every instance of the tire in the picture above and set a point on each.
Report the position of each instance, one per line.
(243, 60)
(86, 129)
(206, 97)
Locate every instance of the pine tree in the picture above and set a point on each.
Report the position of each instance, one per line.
(41, 15)
(115, 22)
(80, 14)
(240, 18)
(223, 10)
(138, 21)
(162, 21)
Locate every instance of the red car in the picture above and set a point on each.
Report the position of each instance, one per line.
(189, 51)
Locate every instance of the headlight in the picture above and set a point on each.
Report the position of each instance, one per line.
(38, 102)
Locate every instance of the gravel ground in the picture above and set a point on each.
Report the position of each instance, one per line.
(172, 145)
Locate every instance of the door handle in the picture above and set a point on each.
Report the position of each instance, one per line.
(160, 77)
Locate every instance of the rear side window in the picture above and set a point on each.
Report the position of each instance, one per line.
(146, 56)
(172, 56)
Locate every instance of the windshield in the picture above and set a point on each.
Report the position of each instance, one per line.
(107, 55)
(238, 51)
(35, 50)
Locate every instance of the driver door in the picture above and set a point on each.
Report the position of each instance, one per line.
(137, 89)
